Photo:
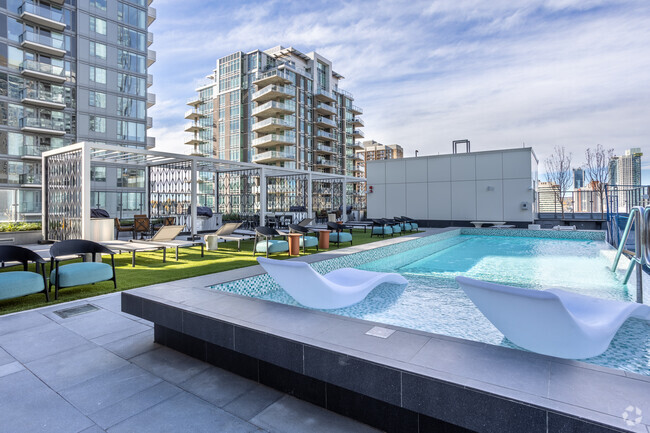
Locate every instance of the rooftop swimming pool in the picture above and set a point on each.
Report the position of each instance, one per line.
(433, 302)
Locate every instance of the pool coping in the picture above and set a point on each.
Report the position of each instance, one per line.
(415, 376)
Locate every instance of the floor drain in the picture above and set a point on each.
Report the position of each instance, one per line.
(380, 332)
(75, 311)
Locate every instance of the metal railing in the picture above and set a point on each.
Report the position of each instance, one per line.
(640, 218)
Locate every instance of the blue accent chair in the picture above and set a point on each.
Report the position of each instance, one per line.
(14, 284)
(338, 236)
(77, 274)
(380, 228)
(414, 224)
(264, 242)
(305, 240)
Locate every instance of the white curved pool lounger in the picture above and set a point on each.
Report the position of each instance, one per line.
(552, 322)
(337, 289)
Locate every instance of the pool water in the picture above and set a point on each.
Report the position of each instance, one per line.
(433, 302)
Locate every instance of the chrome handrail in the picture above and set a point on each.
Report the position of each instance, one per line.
(639, 216)
(623, 240)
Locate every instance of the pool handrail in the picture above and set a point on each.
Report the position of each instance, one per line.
(639, 216)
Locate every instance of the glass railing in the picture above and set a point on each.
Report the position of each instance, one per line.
(42, 40)
(325, 93)
(324, 134)
(274, 137)
(273, 73)
(287, 106)
(188, 112)
(326, 121)
(193, 100)
(273, 154)
(30, 207)
(287, 90)
(42, 11)
(344, 93)
(359, 133)
(358, 121)
(327, 162)
(325, 148)
(33, 65)
(356, 109)
(275, 121)
(35, 122)
(43, 95)
(326, 107)
(30, 150)
(30, 179)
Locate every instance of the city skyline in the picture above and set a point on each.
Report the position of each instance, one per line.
(541, 73)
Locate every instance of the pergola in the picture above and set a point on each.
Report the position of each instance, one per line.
(172, 186)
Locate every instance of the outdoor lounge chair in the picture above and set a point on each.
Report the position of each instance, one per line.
(337, 289)
(21, 283)
(552, 322)
(305, 241)
(224, 232)
(264, 242)
(404, 224)
(338, 235)
(305, 222)
(380, 228)
(414, 224)
(166, 237)
(77, 274)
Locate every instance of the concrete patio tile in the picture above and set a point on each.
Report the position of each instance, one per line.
(109, 388)
(41, 341)
(21, 322)
(130, 406)
(133, 345)
(74, 366)
(170, 365)
(290, 415)
(102, 322)
(197, 417)
(10, 368)
(94, 429)
(120, 335)
(249, 404)
(5, 358)
(27, 405)
(218, 386)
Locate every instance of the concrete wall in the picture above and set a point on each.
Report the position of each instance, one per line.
(478, 186)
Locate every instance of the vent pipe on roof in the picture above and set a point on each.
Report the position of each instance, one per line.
(455, 144)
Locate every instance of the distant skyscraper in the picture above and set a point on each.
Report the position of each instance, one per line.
(578, 178)
(372, 151)
(626, 170)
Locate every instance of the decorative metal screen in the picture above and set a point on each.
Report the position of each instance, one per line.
(327, 195)
(287, 193)
(63, 179)
(170, 191)
(239, 195)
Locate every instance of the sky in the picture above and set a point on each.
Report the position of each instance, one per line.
(502, 74)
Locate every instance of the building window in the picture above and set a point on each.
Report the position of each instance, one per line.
(99, 4)
(130, 107)
(130, 178)
(97, 99)
(97, 124)
(131, 84)
(130, 131)
(98, 174)
(131, 61)
(131, 16)
(98, 50)
(98, 75)
(97, 25)
(131, 38)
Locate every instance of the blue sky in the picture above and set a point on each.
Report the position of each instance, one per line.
(573, 73)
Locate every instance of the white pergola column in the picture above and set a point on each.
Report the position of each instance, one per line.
(85, 192)
(344, 202)
(262, 196)
(193, 194)
(310, 204)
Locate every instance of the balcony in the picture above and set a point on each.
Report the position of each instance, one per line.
(193, 140)
(357, 133)
(274, 92)
(273, 124)
(151, 57)
(275, 76)
(325, 136)
(149, 39)
(273, 140)
(273, 156)
(41, 15)
(323, 162)
(149, 122)
(274, 108)
(149, 80)
(345, 93)
(193, 115)
(30, 180)
(324, 149)
(354, 109)
(356, 145)
(42, 98)
(151, 142)
(193, 127)
(357, 121)
(42, 44)
(43, 71)
(194, 101)
(324, 122)
(42, 126)
(151, 100)
(151, 15)
(324, 95)
(31, 152)
(326, 109)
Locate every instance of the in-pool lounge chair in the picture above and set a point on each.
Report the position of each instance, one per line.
(337, 289)
(225, 232)
(166, 237)
(552, 322)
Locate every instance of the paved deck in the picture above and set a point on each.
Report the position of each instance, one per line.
(101, 371)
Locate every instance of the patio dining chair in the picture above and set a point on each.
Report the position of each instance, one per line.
(21, 283)
(78, 274)
(142, 225)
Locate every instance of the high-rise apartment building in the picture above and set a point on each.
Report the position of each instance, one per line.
(372, 150)
(625, 170)
(578, 178)
(72, 71)
(277, 107)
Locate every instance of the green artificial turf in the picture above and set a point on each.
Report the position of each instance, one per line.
(150, 269)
